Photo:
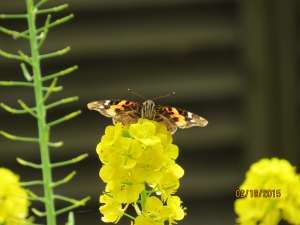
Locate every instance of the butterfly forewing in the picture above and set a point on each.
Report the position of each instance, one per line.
(112, 108)
(181, 118)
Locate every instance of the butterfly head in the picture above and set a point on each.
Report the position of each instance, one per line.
(148, 109)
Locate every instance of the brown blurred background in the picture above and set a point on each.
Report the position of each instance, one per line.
(232, 62)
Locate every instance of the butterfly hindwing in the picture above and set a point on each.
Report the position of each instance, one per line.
(171, 126)
(129, 117)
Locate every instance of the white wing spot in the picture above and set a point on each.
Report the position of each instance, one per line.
(190, 115)
(192, 121)
(107, 102)
(101, 107)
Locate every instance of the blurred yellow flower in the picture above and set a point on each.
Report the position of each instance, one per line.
(273, 193)
(13, 209)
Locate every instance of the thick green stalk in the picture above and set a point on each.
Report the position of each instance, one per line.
(144, 198)
(41, 113)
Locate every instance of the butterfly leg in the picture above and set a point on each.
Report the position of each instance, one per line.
(154, 116)
(142, 114)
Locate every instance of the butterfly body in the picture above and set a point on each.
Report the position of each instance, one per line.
(128, 112)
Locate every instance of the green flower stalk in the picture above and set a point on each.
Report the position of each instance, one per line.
(36, 37)
(140, 154)
(271, 192)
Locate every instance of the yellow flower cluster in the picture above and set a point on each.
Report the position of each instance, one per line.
(141, 153)
(270, 175)
(13, 209)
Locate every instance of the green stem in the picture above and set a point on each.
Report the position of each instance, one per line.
(17, 16)
(131, 217)
(38, 213)
(25, 163)
(25, 57)
(78, 203)
(27, 84)
(75, 160)
(63, 198)
(61, 52)
(144, 198)
(15, 34)
(29, 183)
(16, 83)
(54, 9)
(24, 106)
(18, 138)
(10, 56)
(49, 90)
(25, 72)
(65, 180)
(55, 144)
(57, 22)
(67, 117)
(40, 3)
(61, 73)
(152, 191)
(44, 35)
(30, 198)
(63, 101)
(41, 113)
(21, 111)
(15, 111)
(71, 220)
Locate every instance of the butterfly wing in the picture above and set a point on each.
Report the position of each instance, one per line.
(171, 126)
(128, 112)
(179, 117)
(123, 111)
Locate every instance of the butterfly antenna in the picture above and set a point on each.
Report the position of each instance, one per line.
(165, 96)
(136, 94)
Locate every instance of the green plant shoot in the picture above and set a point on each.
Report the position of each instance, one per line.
(36, 37)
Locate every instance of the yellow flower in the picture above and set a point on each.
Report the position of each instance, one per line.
(111, 133)
(12, 208)
(151, 162)
(156, 212)
(168, 185)
(273, 194)
(141, 153)
(175, 169)
(140, 220)
(104, 151)
(144, 132)
(177, 212)
(128, 149)
(112, 210)
(112, 169)
(131, 186)
(156, 209)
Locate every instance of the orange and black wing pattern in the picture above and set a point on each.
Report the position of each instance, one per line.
(123, 111)
(174, 117)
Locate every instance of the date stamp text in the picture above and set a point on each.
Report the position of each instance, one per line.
(261, 193)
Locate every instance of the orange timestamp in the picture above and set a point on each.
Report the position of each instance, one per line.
(262, 193)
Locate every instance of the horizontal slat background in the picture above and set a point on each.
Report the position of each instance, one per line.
(224, 59)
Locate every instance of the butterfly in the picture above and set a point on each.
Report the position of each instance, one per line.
(128, 112)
